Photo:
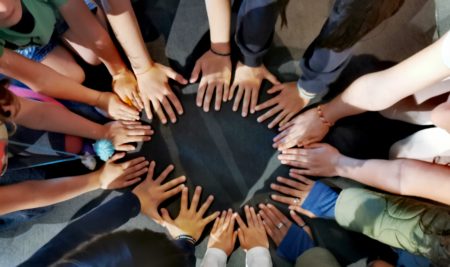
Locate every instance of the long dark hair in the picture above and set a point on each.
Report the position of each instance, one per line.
(360, 17)
(6, 99)
(139, 248)
(282, 5)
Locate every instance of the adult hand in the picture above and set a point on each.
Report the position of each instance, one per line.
(277, 225)
(115, 108)
(114, 175)
(286, 104)
(152, 193)
(189, 221)
(304, 129)
(253, 234)
(315, 160)
(216, 75)
(125, 86)
(120, 133)
(154, 89)
(294, 191)
(222, 234)
(248, 82)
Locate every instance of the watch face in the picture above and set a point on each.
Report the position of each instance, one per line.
(3, 149)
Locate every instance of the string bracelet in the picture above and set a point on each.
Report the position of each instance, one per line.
(219, 53)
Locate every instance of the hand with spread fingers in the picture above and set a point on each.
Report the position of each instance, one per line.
(116, 108)
(277, 225)
(216, 76)
(155, 92)
(251, 234)
(294, 191)
(306, 128)
(121, 133)
(125, 86)
(315, 160)
(247, 81)
(114, 175)
(285, 105)
(152, 193)
(222, 234)
(189, 221)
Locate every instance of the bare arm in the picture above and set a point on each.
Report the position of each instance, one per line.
(86, 27)
(44, 80)
(123, 21)
(33, 194)
(380, 90)
(219, 18)
(49, 117)
(404, 177)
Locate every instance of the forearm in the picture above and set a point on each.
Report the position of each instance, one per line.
(49, 117)
(402, 176)
(219, 18)
(123, 21)
(44, 80)
(91, 33)
(380, 90)
(33, 194)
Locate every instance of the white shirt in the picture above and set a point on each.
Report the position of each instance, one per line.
(256, 257)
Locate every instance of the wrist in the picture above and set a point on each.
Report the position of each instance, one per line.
(187, 238)
(144, 68)
(220, 48)
(342, 165)
(93, 179)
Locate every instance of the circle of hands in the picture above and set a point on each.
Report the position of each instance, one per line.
(297, 142)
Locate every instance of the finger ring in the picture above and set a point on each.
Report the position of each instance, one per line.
(279, 225)
(296, 202)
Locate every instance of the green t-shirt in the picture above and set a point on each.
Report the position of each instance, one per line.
(45, 14)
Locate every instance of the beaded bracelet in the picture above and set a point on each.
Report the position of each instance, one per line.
(187, 238)
(219, 53)
(322, 117)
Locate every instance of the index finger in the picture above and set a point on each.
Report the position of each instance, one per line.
(240, 222)
(164, 174)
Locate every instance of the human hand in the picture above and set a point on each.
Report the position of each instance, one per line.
(315, 160)
(125, 86)
(154, 89)
(114, 175)
(248, 82)
(189, 221)
(222, 234)
(296, 191)
(286, 104)
(304, 129)
(120, 133)
(254, 234)
(277, 225)
(216, 75)
(115, 108)
(152, 193)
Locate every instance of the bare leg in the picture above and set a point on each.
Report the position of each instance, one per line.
(61, 61)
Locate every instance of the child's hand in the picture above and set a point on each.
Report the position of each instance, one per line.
(120, 133)
(189, 221)
(152, 193)
(222, 234)
(155, 92)
(216, 76)
(285, 105)
(115, 108)
(253, 235)
(125, 86)
(117, 175)
(248, 82)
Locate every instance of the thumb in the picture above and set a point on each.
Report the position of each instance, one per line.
(271, 78)
(166, 217)
(195, 72)
(116, 156)
(175, 76)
